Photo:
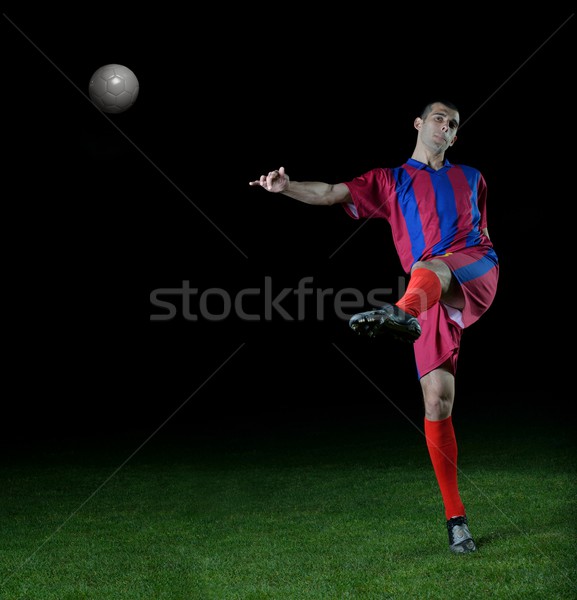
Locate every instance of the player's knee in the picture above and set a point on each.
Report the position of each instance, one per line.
(438, 406)
(422, 264)
(438, 388)
(440, 269)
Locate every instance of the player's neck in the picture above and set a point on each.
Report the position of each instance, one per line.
(433, 160)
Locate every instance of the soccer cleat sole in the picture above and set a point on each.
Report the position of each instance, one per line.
(375, 322)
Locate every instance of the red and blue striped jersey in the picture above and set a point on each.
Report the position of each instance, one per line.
(430, 212)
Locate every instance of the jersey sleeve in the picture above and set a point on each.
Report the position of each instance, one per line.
(370, 194)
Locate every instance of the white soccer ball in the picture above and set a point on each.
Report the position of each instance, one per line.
(113, 88)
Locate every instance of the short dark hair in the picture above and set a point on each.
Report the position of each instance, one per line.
(429, 107)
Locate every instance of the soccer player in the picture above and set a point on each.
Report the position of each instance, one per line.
(438, 218)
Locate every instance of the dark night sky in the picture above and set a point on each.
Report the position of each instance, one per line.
(102, 210)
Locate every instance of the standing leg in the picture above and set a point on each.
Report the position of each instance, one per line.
(438, 388)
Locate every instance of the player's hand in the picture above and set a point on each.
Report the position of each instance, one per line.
(275, 181)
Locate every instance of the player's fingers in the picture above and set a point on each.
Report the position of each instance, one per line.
(267, 181)
(261, 181)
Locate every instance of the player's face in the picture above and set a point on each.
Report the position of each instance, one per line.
(438, 131)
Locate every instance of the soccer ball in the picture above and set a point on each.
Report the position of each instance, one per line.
(113, 88)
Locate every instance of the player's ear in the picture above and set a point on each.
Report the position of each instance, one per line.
(418, 123)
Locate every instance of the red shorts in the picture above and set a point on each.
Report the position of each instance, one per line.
(441, 325)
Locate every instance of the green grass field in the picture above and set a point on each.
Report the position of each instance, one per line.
(322, 513)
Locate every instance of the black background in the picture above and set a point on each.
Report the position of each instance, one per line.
(100, 211)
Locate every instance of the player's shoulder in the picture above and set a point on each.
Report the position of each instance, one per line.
(385, 175)
(379, 172)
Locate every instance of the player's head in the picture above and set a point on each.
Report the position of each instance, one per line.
(429, 107)
(437, 125)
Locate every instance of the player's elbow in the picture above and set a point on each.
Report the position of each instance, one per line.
(337, 194)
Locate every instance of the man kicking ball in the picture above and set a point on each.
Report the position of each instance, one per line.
(438, 218)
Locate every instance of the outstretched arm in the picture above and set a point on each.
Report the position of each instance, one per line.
(309, 192)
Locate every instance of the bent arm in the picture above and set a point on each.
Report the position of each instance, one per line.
(309, 192)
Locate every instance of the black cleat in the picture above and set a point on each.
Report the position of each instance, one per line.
(460, 538)
(389, 317)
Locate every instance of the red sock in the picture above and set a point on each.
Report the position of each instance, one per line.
(423, 290)
(442, 445)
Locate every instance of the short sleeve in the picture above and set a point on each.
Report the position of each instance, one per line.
(370, 195)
